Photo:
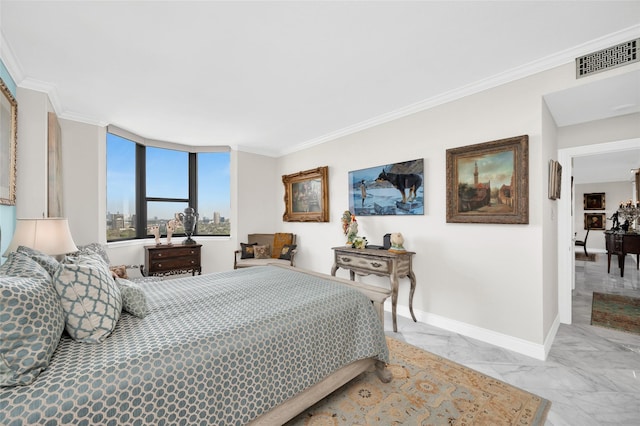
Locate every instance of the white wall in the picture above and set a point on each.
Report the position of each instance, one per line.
(493, 282)
(485, 276)
(615, 192)
(550, 319)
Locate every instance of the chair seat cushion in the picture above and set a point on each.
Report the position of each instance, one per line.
(243, 263)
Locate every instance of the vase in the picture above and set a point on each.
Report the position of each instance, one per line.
(189, 219)
(630, 213)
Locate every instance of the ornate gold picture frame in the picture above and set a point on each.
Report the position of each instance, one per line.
(8, 145)
(594, 201)
(306, 196)
(489, 182)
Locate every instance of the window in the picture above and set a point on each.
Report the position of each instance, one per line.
(149, 185)
(121, 188)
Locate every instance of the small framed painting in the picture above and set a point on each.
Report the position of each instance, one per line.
(595, 221)
(555, 179)
(306, 196)
(594, 201)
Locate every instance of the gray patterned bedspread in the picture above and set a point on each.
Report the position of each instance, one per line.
(216, 349)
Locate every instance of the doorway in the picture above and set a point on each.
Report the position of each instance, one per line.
(566, 260)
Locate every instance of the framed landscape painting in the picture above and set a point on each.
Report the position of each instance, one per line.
(489, 182)
(389, 189)
(306, 196)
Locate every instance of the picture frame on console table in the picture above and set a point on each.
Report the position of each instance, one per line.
(306, 196)
(489, 182)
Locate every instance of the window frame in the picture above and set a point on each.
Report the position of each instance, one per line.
(141, 198)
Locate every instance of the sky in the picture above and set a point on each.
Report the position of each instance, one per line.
(167, 176)
(496, 168)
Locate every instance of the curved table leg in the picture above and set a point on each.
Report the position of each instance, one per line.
(394, 301)
(334, 268)
(412, 278)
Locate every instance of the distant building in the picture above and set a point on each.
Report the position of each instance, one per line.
(505, 194)
(216, 218)
(117, 221)
(479, 197)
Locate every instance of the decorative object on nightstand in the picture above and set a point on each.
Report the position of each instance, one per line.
(171, 227)
(397, 241)
(188, 219)
(155, 230)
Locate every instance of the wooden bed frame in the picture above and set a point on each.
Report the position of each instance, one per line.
(294, 406)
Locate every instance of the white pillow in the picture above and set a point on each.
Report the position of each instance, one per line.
(90, 298)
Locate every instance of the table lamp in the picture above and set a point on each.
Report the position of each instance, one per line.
(49, 235)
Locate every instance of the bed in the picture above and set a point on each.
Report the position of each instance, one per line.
(249, 346)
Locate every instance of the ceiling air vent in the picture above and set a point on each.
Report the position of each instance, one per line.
(605, 59)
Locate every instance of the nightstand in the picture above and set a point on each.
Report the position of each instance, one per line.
(173, 259)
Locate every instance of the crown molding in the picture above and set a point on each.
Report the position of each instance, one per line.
(15, 69)
(526, 70)
(10, 60)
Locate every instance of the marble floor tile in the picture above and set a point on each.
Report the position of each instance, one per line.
(592, 374)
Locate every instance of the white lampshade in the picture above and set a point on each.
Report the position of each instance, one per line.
(49, 235)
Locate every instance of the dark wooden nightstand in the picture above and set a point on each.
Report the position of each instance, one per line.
(169, 260)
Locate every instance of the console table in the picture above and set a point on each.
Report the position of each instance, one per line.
(169, 260)
(382, 263)
(621, 244)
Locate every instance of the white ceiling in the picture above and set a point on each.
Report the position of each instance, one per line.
(593, 101)
(274, 77)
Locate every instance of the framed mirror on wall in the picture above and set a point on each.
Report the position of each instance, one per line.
(8, 145)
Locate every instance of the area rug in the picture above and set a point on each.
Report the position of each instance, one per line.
(426, 390)
(616, 311)
(590, 258)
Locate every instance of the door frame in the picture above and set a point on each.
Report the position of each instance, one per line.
(566, 258)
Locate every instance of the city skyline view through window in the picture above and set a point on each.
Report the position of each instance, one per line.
(167, 189)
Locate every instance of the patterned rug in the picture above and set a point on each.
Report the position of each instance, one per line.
(616, 311)
(426, 390)
(581, 256)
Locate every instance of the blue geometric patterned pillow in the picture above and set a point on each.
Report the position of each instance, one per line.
(133, 299)
(90, 298)
(21, 265)
(31, 321)
(49, 263)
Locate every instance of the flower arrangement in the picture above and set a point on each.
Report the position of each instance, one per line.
(350, 229)
(629, 213)
(359, 242)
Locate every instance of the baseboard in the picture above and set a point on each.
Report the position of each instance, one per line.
(504, 341)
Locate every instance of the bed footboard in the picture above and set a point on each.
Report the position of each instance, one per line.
(377, 295)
